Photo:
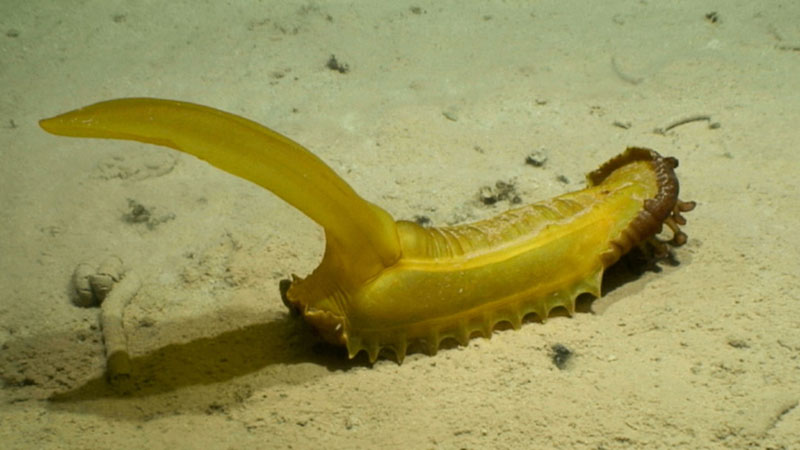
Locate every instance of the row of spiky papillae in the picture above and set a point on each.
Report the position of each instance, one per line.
(463, 326)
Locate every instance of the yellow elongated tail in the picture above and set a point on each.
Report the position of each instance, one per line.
(362, 234)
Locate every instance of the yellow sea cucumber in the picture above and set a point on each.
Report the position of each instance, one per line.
(384, 283)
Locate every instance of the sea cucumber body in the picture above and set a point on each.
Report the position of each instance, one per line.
(386, 284)
(454, 282)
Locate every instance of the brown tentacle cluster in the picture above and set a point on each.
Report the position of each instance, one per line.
(664, 208)
(659, 249)
(675, 219)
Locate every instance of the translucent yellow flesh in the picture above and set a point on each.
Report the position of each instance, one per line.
(353, 226)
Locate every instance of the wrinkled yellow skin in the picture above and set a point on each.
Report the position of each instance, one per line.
(384, 284)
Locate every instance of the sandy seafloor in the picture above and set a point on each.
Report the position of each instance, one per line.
(441, 98)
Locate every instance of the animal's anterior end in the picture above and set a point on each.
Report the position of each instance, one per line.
(455, 282)
(384, 284)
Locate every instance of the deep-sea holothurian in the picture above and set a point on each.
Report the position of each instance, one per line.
(384, 283)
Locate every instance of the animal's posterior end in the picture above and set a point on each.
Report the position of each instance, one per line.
(59, 125)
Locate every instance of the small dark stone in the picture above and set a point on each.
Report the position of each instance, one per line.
(536, 158)
(502, 191)
(138, 213)
(423, 221)
(738, 343)
(712, 17)
(560, 355)
(334, 64)
(487, 195)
